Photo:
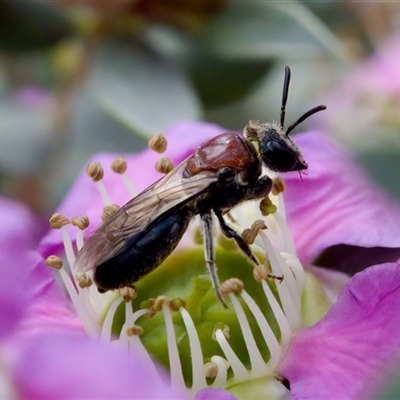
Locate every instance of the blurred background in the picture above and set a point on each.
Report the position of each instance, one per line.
(80, 77)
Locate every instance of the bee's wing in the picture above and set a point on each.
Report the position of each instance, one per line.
(167, 193)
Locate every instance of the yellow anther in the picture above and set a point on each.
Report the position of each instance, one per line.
(134, 330)
(210, 370)
(54, 262)
(159, 302)
(164, 165)
(83, 280)
(57, 221)
(260, 273)
(278, 186)
(158, 143)
(249, 235)
(109, 210)
(232, 285)
(177, 303)
(81, 222)
(266, 207)
(119, 165)
(128, 293)
(95, 171)
(223, 328)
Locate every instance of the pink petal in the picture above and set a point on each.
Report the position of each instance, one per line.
(50, 310)
(17, 236)
(69, 367)
(214, 394)
(345, 354)
(335, 203)
(84, 198)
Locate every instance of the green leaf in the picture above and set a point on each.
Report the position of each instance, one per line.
(219, 82)
(265, 30)
(140, 88)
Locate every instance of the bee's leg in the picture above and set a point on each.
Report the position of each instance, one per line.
(232, 234)
(209, 254)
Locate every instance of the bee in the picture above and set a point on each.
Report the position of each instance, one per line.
(221, 174)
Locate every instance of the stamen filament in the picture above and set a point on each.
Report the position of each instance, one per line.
(90, 328)
(173, 353)
(105, 197)
(222, 374)
(79, 239)
(109, 319)
(240, 372)
(129, 185)
(69, 252)
(256, 360)
(198, 378)
(283, 323)
(269, 337)
(289, 305)
(71, 289)
(294, 264)
(288, 243)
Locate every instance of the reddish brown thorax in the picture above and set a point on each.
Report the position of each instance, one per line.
(226, 150)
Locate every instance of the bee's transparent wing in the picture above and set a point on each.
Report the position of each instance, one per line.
(167, 193)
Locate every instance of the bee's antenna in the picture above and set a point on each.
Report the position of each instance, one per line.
(303, 117)
(285, 94)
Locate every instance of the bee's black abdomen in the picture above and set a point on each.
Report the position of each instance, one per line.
(143, 252)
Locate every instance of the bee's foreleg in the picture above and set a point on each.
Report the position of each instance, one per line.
(209, 254)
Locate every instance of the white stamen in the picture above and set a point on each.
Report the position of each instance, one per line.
(284, 326)
(199, 380)
(240, 372)
(87, 314)
(173, 354)
(289, 305)
(295, 265)
(288, 243)
(222, 374)
(79, 239)
(71, 289)
(109, 319)
(69, 251)
(257, 363)
(129, 185)
(105, 197)
(269, 337)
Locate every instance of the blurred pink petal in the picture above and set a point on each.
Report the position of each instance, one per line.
(335, 203)
(17, 237)
(69, 367)
(345, 354)
(214, 394)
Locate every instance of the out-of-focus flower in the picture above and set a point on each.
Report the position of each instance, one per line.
(204, 345)
(183, 14)
(363, 110)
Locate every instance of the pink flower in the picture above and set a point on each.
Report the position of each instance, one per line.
(363, 109)
(54, 357)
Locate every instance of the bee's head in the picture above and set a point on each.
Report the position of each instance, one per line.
(278, 151)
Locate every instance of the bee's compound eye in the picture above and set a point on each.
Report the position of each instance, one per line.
(278, 156)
